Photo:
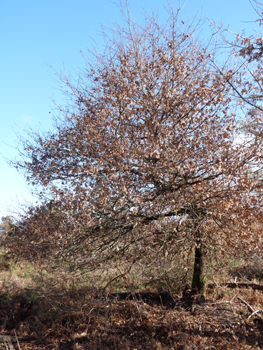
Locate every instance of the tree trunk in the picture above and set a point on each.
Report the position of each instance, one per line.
(198, 276)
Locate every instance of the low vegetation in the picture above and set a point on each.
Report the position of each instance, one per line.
(59, 310)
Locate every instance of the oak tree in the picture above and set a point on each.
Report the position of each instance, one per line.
(144, 160)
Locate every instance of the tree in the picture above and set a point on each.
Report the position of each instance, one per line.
(144, 160)
(245, 75)
(8, 225)
(245, 79)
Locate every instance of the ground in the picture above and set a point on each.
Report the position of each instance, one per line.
(82, 318)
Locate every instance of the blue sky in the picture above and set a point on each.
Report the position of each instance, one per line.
(40, 37)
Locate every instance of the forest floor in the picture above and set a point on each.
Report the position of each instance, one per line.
(84, 317)
(80, 319)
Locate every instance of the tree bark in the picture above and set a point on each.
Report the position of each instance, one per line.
(198, 276)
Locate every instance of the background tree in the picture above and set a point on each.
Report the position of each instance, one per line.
(245, 75)
(37, 235)
(8, 225)
(144, 160)
(246, 78)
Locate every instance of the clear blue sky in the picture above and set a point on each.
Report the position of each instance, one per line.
(35, 35)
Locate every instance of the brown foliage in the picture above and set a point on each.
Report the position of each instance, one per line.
(144, 163)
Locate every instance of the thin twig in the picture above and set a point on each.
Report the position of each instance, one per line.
(17, 341)
(255, 312)
(249, 307)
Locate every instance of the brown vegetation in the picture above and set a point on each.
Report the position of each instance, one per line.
(56, 314)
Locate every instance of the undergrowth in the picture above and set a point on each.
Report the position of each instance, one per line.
(60, 309)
